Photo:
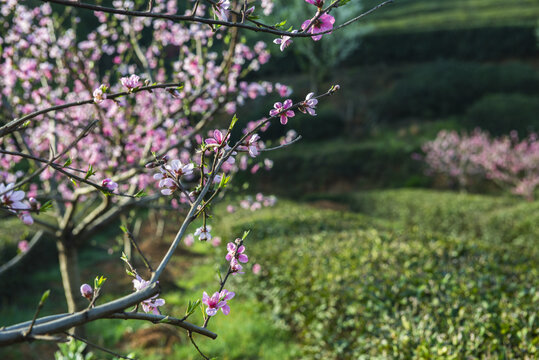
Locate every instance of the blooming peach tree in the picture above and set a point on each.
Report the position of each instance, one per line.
(127, 116)
(507, 161)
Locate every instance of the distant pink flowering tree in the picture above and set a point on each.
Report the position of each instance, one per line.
(507, 161)
(456, 156)
(513, 163)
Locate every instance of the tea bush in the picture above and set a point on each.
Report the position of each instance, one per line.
(361, 287)
(447, 88)
(501, 113)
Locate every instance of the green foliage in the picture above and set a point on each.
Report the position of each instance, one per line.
(73, 350)
(353, 287)
(491, 218)
(501, 113)
(310, 167)
(327, 124)
(447, 88)
(99, 280)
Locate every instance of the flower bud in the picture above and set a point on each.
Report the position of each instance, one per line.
(109, 185)
(26, 218)
(87, 291)
(33, 203)
(23, 246)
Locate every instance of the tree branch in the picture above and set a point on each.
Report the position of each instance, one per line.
(14, 124)
(57, 325)
(258, 27)
(164, 320)
(17, 259)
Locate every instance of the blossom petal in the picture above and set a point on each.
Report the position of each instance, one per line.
(225, 309)
(211, 311)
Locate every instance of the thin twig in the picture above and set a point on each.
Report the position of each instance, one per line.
(11, 263)
(150, 6)
(97, 346)
(190, 334)
(94, 298)
(282, 145)
(39, 307)
(164, 319)
(36, 158)
(361, 15)
(195, 8)
(133, 241)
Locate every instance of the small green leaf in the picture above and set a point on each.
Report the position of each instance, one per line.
(73, 181)
(46, 206)
(124, 229)
(68, 162)
(140, 193)
(45, 296)
(245, 234)
(191, 307)
(202, 310)
(222, 183)
(233, 122)
(90, 172)
(98, 282)
(281, 24)
(164, 320)
(129, 272)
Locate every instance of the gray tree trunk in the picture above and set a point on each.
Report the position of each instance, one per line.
(69, 269)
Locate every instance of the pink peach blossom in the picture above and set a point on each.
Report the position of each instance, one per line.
(281, 110)
(217, 301)
(323, 23)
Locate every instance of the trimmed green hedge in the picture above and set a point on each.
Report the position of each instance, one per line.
(492, 218)
(447, 88)
(310, 167)
(357, 287)
(501, 113)
(479, 44)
